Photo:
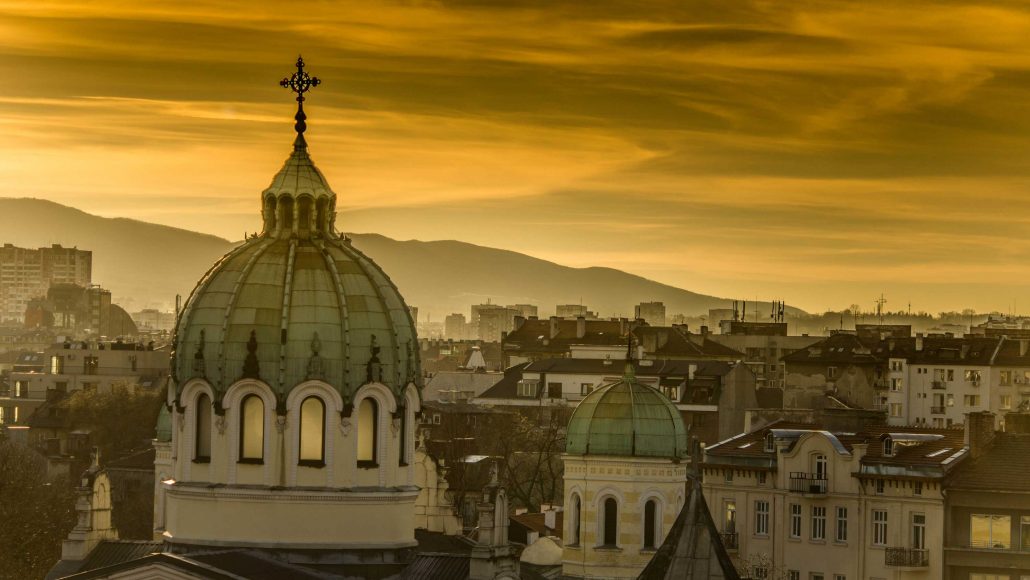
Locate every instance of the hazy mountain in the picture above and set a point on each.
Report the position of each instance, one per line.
(145, 265)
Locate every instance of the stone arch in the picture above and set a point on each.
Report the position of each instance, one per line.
(332, 400)
(305, 215)
(231, 403)
(386, 406)
(661, 506)
(191, 392)
(287, 214)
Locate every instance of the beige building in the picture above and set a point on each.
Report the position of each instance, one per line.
(26, 274)
(809, 504)
(625, 479)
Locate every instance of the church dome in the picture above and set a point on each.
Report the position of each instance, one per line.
(297, 302)
(629, 419)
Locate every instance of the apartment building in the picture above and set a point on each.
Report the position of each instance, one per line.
(802, 502)
(26, 274)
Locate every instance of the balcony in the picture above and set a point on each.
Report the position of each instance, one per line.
(938, 385)
(729, 540)
(906, 558)
(810, 484)
(936, 410)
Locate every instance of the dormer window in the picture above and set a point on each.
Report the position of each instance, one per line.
(888, 446)
(770, 443)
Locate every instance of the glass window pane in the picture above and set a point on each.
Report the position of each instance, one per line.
(203, 418)
(1001, 532)
(252, 428)
(312, 429)
(367, 418)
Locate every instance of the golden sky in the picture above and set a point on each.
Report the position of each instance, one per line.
(819, 152)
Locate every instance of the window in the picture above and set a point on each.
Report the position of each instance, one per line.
(888, 446)
(917, 488)
(252, 429)
(973, 377)
(951, 374)
(971, 400)
(554, 390)
(402, 445)
(795, 520)
(879, 486)
(611, 522)
(918, 531)
(1024, 533)
(761, 517)
(729, 524)
(770, 443)
(650, 523)
(585, 388)
(527, 388)
(132, 362)
(793, 574)
(436, 418)
(671, 392)
(90, 364)
(202, 449)
(896, 384)
(728, 475)
(879, 527)
(312, 432)
(895, 409)
(56, 365)
(761, 478)
(1006, 401)
(574, 519)
(818, 522)
(760, 573)
(831, 372)
(839, 577)
(820, 466)
(951, 400)
(938, 374)
(368, 432)
(897, 364)
(816, 576)
(842, 524)
(990, 531)
(1005, 378)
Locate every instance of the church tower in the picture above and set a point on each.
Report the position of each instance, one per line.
(625, 479)
(295, 389)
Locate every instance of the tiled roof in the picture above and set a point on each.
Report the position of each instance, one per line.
(537, 523)
(838, 349)
(1005, 466)
(507, 387)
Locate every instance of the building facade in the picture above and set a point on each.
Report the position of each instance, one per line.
(26, 274)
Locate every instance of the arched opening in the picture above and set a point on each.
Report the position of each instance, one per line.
(368, 432)
(269, 214)
(320, 215)
(888, 446)
(610, 533)
(286, 214)
(650, 523)
(252, 430)
(402, 452)
(574, 519)
(202, 430)
(312, 432)
(305, 217)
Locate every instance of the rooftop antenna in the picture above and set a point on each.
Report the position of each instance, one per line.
(879, 307)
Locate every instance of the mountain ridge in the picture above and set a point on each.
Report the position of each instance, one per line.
(146, 265)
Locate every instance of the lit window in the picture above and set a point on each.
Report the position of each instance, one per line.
(368, 428)
(203, 429)
(990, 531)
(252, 429)
(312, 430)
(1024, 533)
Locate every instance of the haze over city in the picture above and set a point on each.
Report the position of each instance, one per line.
(822, 153)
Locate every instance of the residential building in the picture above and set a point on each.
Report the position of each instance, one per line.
(763, 345)
(651, 312)
(26, 274)
(455, 327)
(812, 503)
(572, 311)
(987, 525)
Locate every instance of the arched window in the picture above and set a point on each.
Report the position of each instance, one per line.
(202, 451)
(574, 520)
(269, 214)
(611, 522)
(650, 523)
(312, 432)
(403, 451)
(252, 429)
(305, 216)
(368, 432)
(888, 446)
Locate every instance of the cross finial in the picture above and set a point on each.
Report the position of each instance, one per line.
(300, 82)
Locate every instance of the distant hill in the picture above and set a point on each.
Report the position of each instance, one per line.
(145, 264)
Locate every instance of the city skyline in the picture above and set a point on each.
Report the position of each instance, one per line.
(820, 154)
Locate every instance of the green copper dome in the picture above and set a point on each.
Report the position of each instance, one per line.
(297, 302)
(628, 419)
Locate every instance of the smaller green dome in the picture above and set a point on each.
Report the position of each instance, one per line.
(164, 425)
(627, 419)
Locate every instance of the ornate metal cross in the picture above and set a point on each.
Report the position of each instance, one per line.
(300, 82)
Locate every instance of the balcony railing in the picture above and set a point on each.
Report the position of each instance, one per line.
(808, 483)
(939, 385)
(729, 540)
(906, 558)
(936, 410)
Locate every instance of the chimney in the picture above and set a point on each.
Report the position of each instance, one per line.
(979, 432)
(581, 326)
(517, 322)
(554, 327)
(549, 517)
(704, 330)
(919, 342)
